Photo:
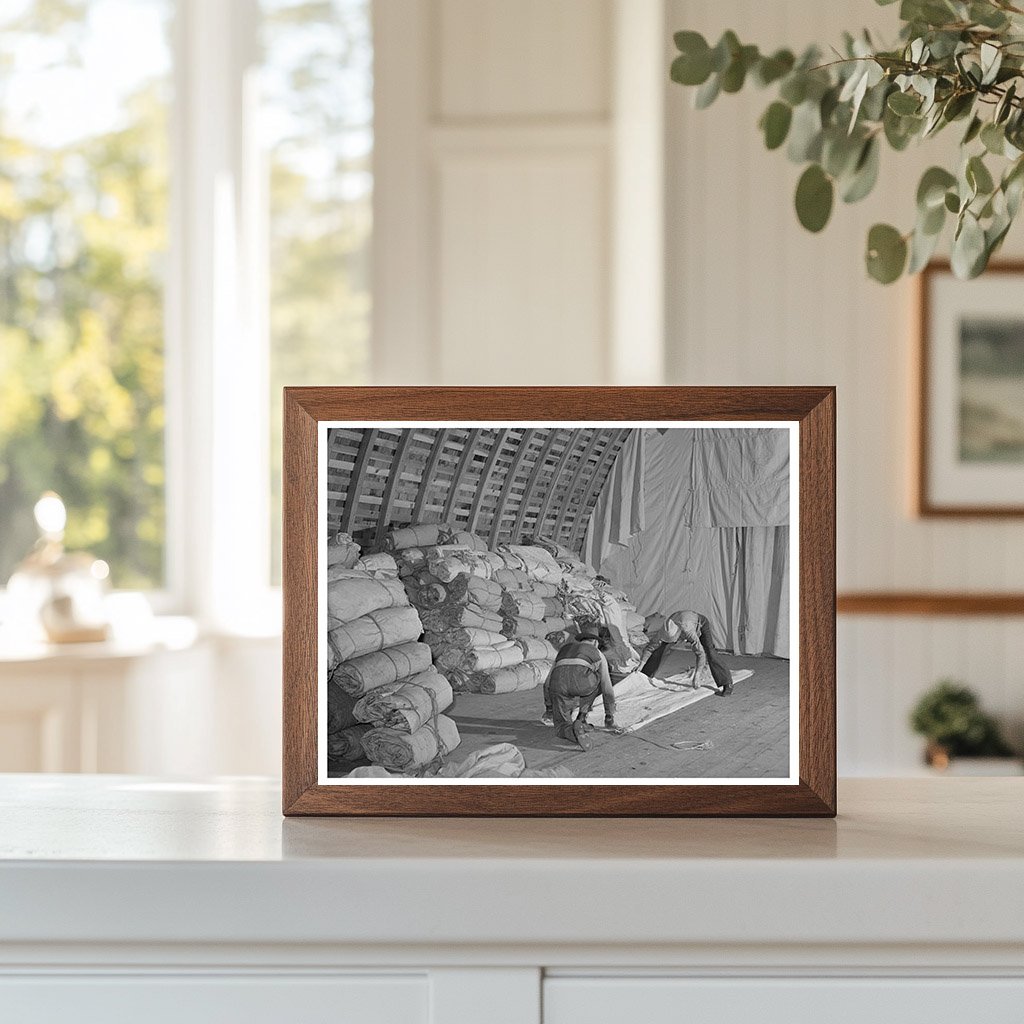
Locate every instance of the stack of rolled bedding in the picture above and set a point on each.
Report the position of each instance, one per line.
(405, 729)
(459, 605)
(381, 677)
(567, 560)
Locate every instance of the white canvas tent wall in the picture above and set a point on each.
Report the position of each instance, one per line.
(699, 519)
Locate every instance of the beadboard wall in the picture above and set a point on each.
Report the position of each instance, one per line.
(754, 299)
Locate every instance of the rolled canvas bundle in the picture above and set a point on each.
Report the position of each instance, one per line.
(438, 620)
(375, 631)
(381, 564)
(536, 648)
(408, 705)
(340, 709)
(349, 599)
(346, 744)
(418, 536)
(404, 751)
(553, 548)
(526, 676)
(512, 579)
(369, 671)
(410, 560)
(469, 540)
(486, 593)
(544, 589)
(522, 605)
(464, 636)
(448, 562)
(342, 550)
(553, 607)
(473, 659)
(517, 626)
(538, 563)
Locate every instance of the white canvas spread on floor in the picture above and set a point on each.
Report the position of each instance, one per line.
(640, 700)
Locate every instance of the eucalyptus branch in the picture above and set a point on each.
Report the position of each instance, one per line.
(953, 58)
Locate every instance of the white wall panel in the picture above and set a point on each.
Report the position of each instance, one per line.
(521, 285)
(754, 299)
(530, 58)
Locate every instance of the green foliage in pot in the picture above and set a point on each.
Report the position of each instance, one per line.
(950, 717)
(957, 62)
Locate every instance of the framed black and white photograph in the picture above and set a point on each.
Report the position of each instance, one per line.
(971, 393)
(545, 614)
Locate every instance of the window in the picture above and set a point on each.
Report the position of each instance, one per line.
(317, 88)
(185, 221)
(83, 235)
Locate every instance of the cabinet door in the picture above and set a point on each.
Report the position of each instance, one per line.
(677, 1000)
(206, 999)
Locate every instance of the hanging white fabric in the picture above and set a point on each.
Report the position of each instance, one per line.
(716, 533)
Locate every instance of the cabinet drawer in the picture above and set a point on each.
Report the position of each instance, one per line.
(222, 999)
(675, 1000)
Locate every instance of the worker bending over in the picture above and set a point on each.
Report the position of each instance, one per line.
(690, 629)
(579, 674)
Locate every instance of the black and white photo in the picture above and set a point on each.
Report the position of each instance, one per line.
(576, 602)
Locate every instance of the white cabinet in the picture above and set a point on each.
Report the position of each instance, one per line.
(204, 999)
(126, 899)
(823, 1000)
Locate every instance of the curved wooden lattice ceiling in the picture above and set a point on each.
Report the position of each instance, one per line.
(503, 484)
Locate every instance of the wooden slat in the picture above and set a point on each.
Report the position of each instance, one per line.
(485, 476)
(914, 603)
(355, 483)
(401, 453)
(542, 512)
(604, 466)
(428, 473)
(570, 490)
(517, 526)
(524, 447)
(464, 458)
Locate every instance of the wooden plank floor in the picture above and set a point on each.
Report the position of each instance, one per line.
(748, 731)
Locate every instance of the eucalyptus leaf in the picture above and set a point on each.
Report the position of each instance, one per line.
(987, 15)
(735, 74)
(725, 50)
(991, 60)
(973, 130)
(814, 196)
(865, 173)
(771, 69)
(707, 93)
(993, 138)
(693, 65)
(805, 133)
(886, 253)
(904, 103)
(978, 176)
(775, 124)
(931, 190)
(968, 248)
(922, 248)
(794, 88)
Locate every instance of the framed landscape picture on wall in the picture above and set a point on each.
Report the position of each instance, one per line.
(970, 452)
(559, 601)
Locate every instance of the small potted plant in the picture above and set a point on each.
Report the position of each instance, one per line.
(950, 717)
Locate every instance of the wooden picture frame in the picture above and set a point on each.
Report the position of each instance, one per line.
(948, 484)
(809, 412)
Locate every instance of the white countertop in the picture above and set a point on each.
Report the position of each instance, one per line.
(123, 859)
